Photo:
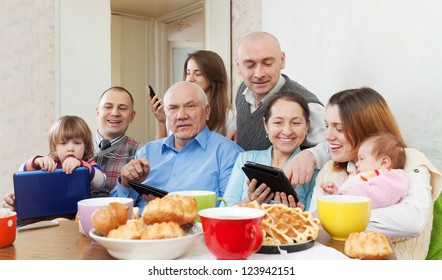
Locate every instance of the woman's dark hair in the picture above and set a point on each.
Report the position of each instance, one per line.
(212, 68)
(363, 112)
(288, 96)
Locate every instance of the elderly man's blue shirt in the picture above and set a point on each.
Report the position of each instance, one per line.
(205, 163)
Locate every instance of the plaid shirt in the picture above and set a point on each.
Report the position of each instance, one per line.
(112, 160)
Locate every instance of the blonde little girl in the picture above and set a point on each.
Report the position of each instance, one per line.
(70, 146)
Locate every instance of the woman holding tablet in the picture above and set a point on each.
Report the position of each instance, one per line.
(286, 121)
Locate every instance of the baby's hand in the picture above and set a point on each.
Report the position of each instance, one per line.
(70, 164)
(45, 163)
(329, 187)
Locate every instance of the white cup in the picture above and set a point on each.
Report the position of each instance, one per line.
(87, 206)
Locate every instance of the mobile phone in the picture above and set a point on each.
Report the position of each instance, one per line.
(273, 177)
(152, 92)
(145, 189)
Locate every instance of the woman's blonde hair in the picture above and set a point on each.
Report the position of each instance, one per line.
(71, 127)
(364, 112)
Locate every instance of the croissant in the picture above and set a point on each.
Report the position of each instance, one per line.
(109, 217)
(162, 230)
(132, 230)
(171, 208)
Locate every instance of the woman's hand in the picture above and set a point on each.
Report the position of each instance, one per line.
(232, 136)
(45, 163)
(281, 198)
(157, 108)
(158, 111)
(262, 194)
(70, 164)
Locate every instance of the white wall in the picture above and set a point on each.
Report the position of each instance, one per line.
(217, 29)
(27, 83)
(392, 46)
(55, 60)
(84, 56)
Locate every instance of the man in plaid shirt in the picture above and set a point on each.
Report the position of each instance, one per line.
(112, 147)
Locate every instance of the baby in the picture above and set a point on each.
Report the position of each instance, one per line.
(380, 177)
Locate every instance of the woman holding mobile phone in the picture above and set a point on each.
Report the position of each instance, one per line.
(206, 69)
(286, 122)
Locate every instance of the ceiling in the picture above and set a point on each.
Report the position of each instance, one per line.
(150, 8)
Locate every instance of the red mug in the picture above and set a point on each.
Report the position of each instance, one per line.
(232, 233)
(8, 227)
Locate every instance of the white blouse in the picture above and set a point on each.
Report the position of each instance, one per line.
(409, 222)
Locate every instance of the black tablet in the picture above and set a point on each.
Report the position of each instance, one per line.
(273, 177)
(145, 189)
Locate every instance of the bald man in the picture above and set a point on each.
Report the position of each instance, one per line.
(259, 61)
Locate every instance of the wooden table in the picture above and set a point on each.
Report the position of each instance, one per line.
(65, 242)
(325, 239)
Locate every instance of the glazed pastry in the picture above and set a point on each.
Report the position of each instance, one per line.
(367, 246)
(188, 204)
(132, 230)
(162, 230)
(109, 217)
(171, 208)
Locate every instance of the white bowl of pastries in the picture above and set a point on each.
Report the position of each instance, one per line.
(145, 249)
(166, 230)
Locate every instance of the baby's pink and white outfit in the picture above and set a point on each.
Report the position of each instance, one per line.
(385, 187)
